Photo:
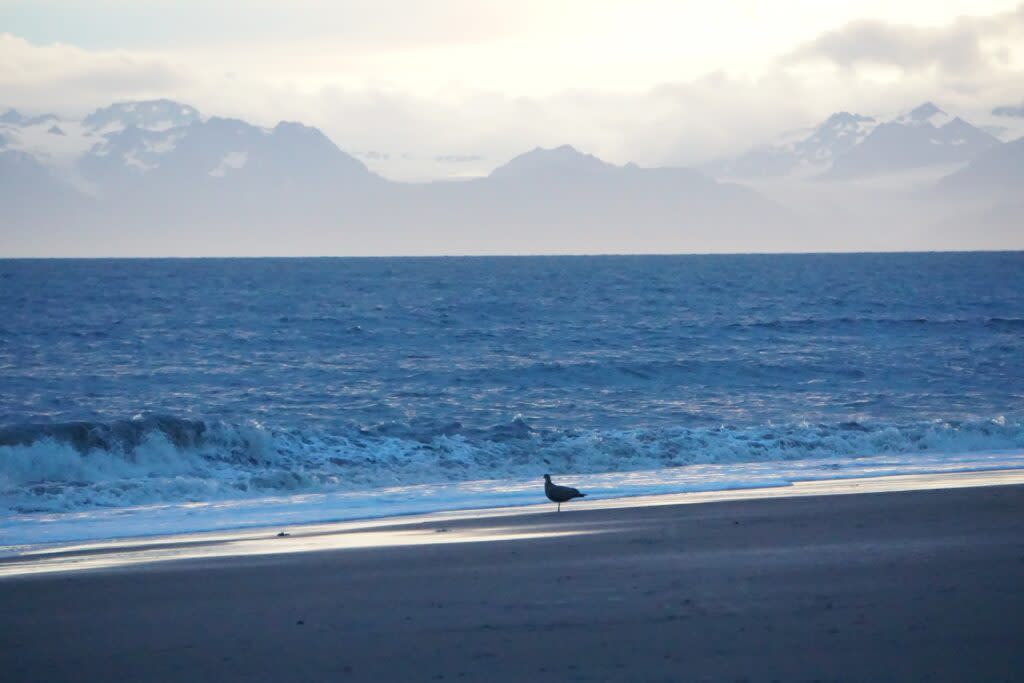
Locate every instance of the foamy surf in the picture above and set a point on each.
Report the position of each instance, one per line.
(215, 496)
(160, 459)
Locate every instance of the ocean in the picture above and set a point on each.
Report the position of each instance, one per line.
(155, 396)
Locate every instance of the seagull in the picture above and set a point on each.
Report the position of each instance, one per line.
(559, 494)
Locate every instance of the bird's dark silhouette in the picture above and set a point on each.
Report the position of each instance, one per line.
(559, 494)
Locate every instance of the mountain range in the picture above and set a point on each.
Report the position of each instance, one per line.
(849, 146)
(158, 178)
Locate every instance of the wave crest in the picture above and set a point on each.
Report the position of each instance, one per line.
(155, 459)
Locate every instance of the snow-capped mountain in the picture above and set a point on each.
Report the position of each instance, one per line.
(850, 145)
(46, 138)
(926, 136)
(155, 115)
(28, 145)
(805, 152)
(213, 151)
(158, 177)
(162, 144)
(924, 115)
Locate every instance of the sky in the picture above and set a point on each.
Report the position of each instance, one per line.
(453, 88)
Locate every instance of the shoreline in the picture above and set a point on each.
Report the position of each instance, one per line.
(251, 541)
(891, 583)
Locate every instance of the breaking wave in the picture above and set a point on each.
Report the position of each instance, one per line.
(157, 458)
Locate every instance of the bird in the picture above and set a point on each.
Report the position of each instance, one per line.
(559, 494)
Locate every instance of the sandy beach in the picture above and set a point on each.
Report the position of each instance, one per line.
(903, 585)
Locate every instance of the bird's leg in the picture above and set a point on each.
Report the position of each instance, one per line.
(559, 508)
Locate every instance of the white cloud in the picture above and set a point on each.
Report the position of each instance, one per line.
(63, 77)
(967, 45)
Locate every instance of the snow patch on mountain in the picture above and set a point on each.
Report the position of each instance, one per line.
(803, 153)
(926, 114)
(50, 141)
(153, 115)
(230, 161)
(132, 159)
(138, 149)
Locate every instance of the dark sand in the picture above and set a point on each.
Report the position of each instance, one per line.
(921, 585)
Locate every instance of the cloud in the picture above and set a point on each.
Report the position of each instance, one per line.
(873, 42)
(967, 45)
(55, 76)
(1009, 110)
(457, 158)
(351, 25)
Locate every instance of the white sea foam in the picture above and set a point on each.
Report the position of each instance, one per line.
(174, 475)
(21, 529)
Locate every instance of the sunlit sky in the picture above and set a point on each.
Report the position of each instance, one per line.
(651, 81)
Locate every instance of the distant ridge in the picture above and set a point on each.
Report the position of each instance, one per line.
(848, 145)
(156, 177)
(159, 178)
(148, 114)
(999, 171)
(564, 159)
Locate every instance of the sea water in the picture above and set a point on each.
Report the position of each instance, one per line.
(152, 396)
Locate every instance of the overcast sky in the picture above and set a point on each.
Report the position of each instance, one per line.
(651, 81)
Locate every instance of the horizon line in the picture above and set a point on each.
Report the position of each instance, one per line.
(515, 256)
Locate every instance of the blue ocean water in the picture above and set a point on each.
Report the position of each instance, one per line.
(137, 382)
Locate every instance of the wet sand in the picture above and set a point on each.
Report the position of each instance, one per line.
(912, 585)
